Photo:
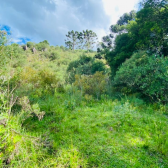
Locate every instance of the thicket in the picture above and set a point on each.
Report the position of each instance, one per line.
(146, 74)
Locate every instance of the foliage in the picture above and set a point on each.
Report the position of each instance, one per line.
(144, 30)
(36, 83)
(42, 46)
(3, 37)
(30, 45)
(54, 55)
(126, 17)
(152, 24)
(89, 38)
(73, 39)
(85, 39)
(86, 66)
(29, 110)
(144, 74)
(91, 84)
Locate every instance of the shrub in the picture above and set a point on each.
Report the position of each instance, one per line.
(145, 74)
(30, 45)
(42, 46)
(91, 84)
(54, 55)
(29, 111)
(38, 82)
(84, 66)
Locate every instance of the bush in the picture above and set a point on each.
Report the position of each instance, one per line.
(54, 55)
(30, 45)
(38, 82)
(145, 74)
(91, 84)
(84, 66)
(42, 46)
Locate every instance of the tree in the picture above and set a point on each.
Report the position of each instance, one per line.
(152, 21)
(3, 38)
(148, 31)
(73, 39)
(107, 41)
(126, 17)
(30, 45)
(119, 45)
(89, 39)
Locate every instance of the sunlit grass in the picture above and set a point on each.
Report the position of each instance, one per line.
(107, 134)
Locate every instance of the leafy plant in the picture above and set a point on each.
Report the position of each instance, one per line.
(91, 84)
(145, 74)
(84, 66)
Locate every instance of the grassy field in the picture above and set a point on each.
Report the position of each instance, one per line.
(60, 127)
(107, 133)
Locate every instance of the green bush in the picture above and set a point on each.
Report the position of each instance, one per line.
(54, 55)
(145, 74)
(42, 46)
(94, 85)
(84, 66)
(37, 83)
(30, 45)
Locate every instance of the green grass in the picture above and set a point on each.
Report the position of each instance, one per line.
(105, 134)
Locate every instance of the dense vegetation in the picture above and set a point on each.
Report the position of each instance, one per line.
(68, 107)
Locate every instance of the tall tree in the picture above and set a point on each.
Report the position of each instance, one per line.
(73, 39)
(89, 39)
(116, 29)
(126, 17)
(148, 31)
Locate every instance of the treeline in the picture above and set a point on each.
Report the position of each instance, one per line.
(137, 49)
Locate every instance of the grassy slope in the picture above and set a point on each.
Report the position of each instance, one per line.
(75, 132)
(104, 134)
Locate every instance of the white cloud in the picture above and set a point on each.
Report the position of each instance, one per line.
(114, 9)
(52, 19)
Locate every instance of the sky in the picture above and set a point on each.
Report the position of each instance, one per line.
(38, 20)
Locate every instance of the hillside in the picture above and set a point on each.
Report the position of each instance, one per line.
(73, 107)
(56, 126)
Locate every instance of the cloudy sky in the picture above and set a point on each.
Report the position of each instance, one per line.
(39, 20)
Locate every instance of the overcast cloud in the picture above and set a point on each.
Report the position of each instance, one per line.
(39, 20)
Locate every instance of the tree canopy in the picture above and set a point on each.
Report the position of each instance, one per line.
(145, 30)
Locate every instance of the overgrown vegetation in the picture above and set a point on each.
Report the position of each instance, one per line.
(63, 108)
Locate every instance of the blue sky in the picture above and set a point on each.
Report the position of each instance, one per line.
(50, 20)
(20, 40)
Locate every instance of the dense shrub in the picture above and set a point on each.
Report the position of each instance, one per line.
(94, 85)
(42, 46)
(54, 55)
(37, 82)
(145, 74)
(84, 66)
(30, 44)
